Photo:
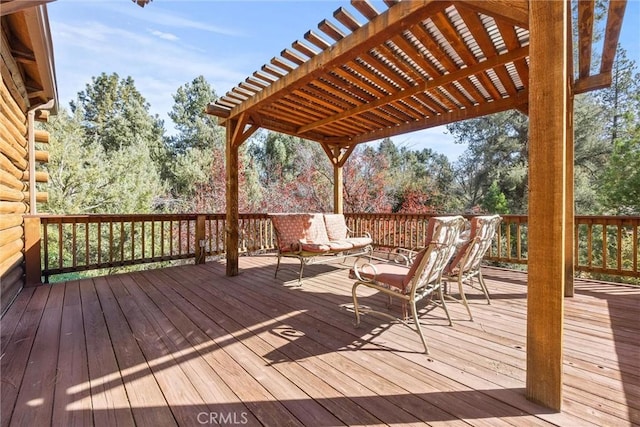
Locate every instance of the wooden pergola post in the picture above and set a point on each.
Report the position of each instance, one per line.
(570, 162)
(236, 134)
(570, 202)
(338, 189)
(338, 156)
(548, 174)
(233, 213)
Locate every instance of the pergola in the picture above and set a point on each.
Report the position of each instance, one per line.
(421, 64)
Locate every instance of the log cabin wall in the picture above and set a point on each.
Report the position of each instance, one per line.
(20, 91)
(13, 203)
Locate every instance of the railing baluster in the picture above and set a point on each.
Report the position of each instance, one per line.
(99, 242)
(74, 260)
(45, 226)
(634, 245)
(604, 246)
(86, 242)
(619, 248)
(60, 246)
(122, 241)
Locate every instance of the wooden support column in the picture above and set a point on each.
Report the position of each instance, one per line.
(32, 247)
(338, 189)
(548, 96)
(236, 135)
(570, 254)
(338, 156)
(233, 214)
(201, 253)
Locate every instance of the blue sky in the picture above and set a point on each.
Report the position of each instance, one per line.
(170, 42)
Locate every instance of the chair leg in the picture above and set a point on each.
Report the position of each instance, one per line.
(301, 271)
(277, 266)
(356, 309)
(444, 304)
(464, 297)
(484, 287)
(414, 312)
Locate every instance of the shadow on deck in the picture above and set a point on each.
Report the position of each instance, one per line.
(189, 346)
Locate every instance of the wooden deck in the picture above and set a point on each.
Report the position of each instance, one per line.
(189, 346)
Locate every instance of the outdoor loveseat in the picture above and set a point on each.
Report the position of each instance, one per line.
(316, 237)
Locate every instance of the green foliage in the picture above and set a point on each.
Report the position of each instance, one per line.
(494, 200)
(196, 129)
(115, 115)
(85, 178)
(620, 189)
(497, 150)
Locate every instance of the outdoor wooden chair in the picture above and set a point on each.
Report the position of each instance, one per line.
(411, 284)
(466, 263)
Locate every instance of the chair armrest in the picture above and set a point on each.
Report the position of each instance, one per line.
(350, 234)
(358, 269)
(408, 254)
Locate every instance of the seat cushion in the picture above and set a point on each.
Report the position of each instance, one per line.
(315, 247)
(315, 230)
(340, 245)
(336, 226)
(290, 228)
(359, 242)
(296, 228)
(390, 275)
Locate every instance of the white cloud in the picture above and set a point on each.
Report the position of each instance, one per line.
(157, 61)
(164, 36)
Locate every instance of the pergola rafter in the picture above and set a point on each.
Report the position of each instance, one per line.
(427, 63)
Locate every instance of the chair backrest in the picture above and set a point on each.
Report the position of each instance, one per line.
(431, 261)
(469, 256)
(291, 228)
(336, 226)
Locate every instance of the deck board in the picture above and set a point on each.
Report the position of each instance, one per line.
(171, 346)
(105, 387)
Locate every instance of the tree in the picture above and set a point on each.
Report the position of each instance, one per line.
(620, 103)
(621, 189)
(497, 150)
(195, 166)
(295, 174)
(115, 115)
(85, 178)
(195, 128)
(365, 174)
(494, 200)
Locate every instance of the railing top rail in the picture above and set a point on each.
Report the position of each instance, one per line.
(138, 217)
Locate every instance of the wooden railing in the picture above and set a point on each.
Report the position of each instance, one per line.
(72, 243)
(602, 244)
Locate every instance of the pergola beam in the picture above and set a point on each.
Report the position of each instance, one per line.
(515, 102)
(515, 12)
(13, 6)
